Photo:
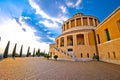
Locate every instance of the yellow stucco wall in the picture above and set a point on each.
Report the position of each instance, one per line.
(110, 50)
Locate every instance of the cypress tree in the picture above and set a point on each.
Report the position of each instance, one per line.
(28, 51)
(0, 38)
(38, 52)
(34, 52)
(5, 55)
(14, 50)
(21, 50)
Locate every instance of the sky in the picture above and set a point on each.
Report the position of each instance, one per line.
(36, 23)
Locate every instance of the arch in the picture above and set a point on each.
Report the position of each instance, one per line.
(81, 55)
(88, 55)
(70, 49)
(70, 40)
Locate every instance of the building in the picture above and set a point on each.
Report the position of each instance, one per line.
(83, 37)
(108, 38)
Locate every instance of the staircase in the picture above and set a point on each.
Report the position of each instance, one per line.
(62, 54)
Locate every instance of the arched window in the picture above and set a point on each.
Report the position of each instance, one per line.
(87, 55)
(114, 55)
(70, 49)
(81, 55)
(108, 55)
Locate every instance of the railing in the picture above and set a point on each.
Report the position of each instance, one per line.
(60, 50)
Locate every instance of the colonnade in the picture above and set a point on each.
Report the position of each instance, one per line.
(72, 40)
(80, 21)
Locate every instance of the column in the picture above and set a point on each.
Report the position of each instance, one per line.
(86, 39)
(74, 40)
(69, 23)
(65, 41)
(75, 22)
(82, 21)
(88, 22)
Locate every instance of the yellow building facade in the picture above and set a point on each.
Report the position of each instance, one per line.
(108, 38)
(83, 37)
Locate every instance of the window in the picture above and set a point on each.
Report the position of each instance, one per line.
(62, 42)
(108, 55)
(107, 34)
(93, 54)
(118, 22)
(98, 37)
(70, 49)
(70, 40)
(114, 55)
(80, 39)
(87, 55)
(81, 55)
(67, 25)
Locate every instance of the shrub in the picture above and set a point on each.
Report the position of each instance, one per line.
(47, 56)
(55, 57)
(96, 57)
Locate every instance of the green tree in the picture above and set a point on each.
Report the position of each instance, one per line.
(34, 52)
(38, 53)
(14, 50)
(47, 56)
(21, 50)
(5, 55)
(28, 52)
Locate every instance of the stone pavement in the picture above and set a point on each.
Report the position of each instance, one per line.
(42, 69)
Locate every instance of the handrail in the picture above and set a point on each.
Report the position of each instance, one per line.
(60, 50)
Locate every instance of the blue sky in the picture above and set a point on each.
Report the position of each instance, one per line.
(36, 23)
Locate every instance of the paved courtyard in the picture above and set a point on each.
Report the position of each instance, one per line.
(42, 69)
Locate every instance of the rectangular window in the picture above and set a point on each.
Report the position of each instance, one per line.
(81, 55)
(114, 55)
(98, 37)
(107, 35)
(118, 22)
(87, 55)
(108, 55)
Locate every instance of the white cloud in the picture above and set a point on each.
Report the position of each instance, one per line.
(78, 3)
(39, 11)
(49, 24)
(71, 4)
(48, 32)
(11, 30)
(63, 8)
(25, 17)
(51, 38)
